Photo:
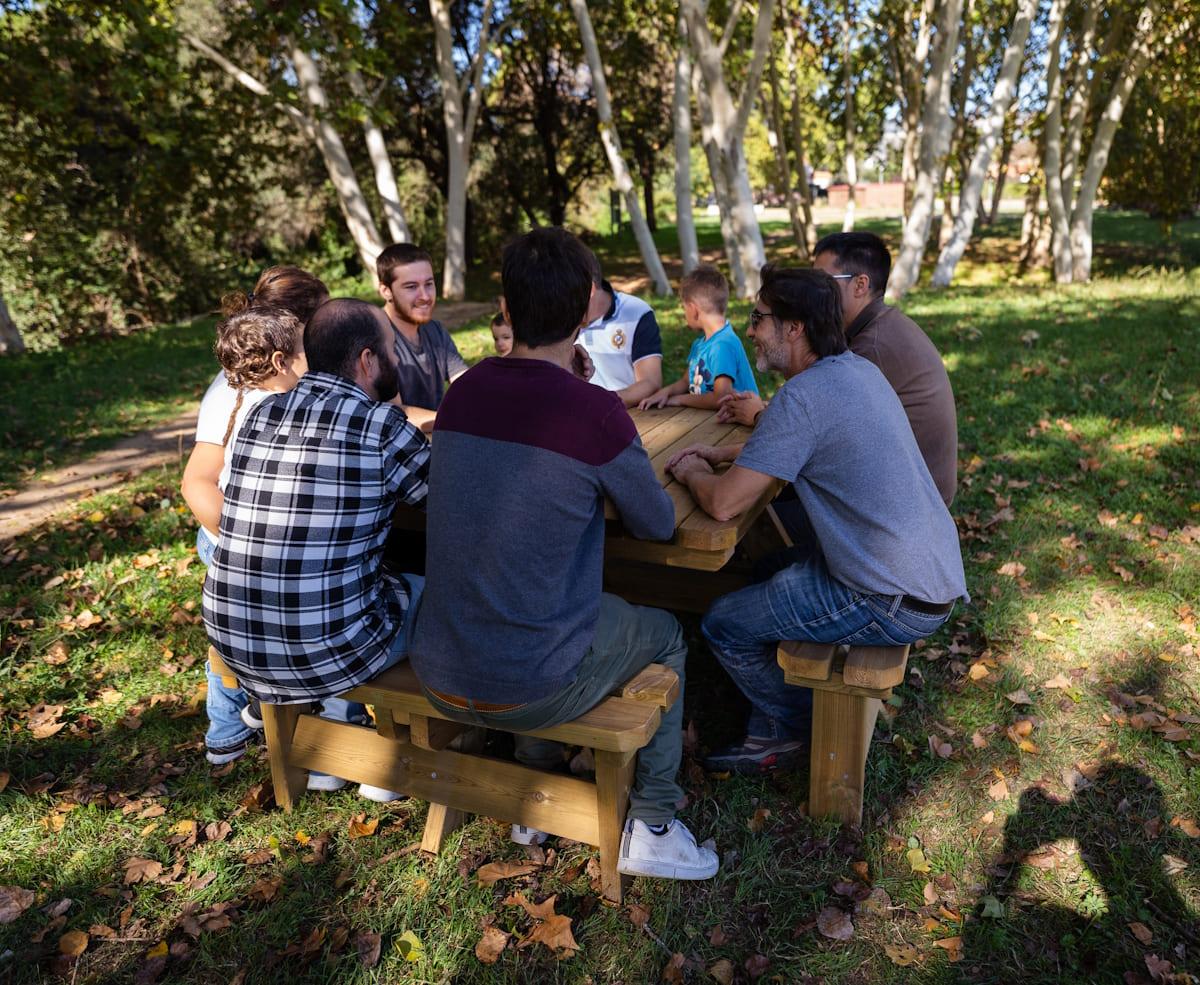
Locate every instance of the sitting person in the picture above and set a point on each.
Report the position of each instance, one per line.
(717, 363)
(887, 569)
(513, 628)
(259, 356)
(623, 339)
(429, 359)
(297, 601)
(502, 337)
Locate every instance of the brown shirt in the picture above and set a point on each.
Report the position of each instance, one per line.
(906, 356)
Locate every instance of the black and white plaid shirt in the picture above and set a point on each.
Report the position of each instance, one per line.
(296, 600)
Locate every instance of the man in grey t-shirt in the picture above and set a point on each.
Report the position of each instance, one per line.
(888, 569)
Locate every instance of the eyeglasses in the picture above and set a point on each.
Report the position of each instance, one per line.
(757, 316)
(842, 276)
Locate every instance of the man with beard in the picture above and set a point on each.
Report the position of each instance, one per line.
(298, 601)
(886, 569)
(428, 358)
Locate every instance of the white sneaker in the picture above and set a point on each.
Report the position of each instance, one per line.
(672, 855)
(527, 836)
(378, 794)
(325, 783)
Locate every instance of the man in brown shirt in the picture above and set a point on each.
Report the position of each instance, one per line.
(861, 264)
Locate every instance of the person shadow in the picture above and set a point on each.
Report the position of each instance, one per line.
(1111, 912)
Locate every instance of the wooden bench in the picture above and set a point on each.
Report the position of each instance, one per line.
(409, 751)
(845, 704)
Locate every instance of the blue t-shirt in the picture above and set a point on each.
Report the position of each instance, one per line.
(721, 355)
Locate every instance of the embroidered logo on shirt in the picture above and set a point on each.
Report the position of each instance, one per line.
(618, 338)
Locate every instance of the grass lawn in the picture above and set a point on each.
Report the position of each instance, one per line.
(1033, 793)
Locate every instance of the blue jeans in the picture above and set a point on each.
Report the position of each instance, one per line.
(801, 601)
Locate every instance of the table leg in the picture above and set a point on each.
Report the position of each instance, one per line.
(279, 725)
(442, 820)
(841, 736)
(614, 779)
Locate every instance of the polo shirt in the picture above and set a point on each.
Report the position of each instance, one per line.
(626, 334)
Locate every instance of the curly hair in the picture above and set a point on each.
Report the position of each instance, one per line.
(245, 344)
(289, 288)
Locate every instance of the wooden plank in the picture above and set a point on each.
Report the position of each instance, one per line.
(841, 736)
(614, 780)
(836, 685)
(677, 589)
(648, 421)
(875, 667)
(809, 661)
(617, 724)
(388, 727)
(650, 552)
(562, 805)
(288, 779)
(656, 683)
(433, 733)
(700, 528)
(674, 430)
(441, 821)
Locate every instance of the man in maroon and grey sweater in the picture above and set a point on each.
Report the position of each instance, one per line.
(513, 630)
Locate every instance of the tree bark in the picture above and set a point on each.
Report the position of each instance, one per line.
(850, 159)
(681, 113)
(1081, 218)
(381, 163)
(1006, 146)
(778, 144)
(11, 343)
(958, 139)
(798, 143)
(913, 73)
(935, 136)
(1052, 150)
(721, 191)
(612, 149)
(1079, 102)
(1030, 225)
(989, 132)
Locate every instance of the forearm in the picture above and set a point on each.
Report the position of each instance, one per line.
(705, 489)
(703, 401)
(633, 394)
(205, 500)
(420, 417)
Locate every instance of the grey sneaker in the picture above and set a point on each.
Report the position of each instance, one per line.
(756, 754)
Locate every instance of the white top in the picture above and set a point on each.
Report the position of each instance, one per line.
(215, 407)
(627, 334)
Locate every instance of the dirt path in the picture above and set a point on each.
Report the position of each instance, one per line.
(166, 444)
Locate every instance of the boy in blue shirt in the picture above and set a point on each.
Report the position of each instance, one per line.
(717, 363)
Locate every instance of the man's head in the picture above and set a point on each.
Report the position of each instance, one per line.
(796, 320)
(704, 291)
(601, 300)
(406, 283)
(354, 340)
(502, 334)
(547, 278)
(860, 263)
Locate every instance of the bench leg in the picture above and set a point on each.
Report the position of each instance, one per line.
(841, 736)
(614, 779)
(279, 724)
(442, 820)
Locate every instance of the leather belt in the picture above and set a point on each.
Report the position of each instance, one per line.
(465, 704)
(929, 608)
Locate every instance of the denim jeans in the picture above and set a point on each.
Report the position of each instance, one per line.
(800, 601)
(628, 637)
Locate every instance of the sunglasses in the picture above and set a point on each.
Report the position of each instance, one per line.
(757, 316)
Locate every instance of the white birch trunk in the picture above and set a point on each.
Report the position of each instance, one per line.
(612, 149)
(681, 114)
(912, 108)
(1081, 90)
(851, 160)
(1081, 219)
(721, 192)
(936, 124)
(381, 163)
(989, 134)
(1052, 160)
(11, 343)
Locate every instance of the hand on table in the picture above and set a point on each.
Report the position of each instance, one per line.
(582, 365)
(689, 465)
(740, 408)
(710, 454)
(660, 398)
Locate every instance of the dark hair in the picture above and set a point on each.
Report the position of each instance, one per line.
(707, 286)
(594, 268)
(547, 277)
(245, 344)
(859, 253)
(498, 319)
(338, 332)
(289, 288)
(810, 297)
(399, 255)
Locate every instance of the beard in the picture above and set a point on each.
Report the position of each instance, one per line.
(387, 382)
(413, 315)
(772, 358)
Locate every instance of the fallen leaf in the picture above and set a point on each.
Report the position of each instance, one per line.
(903, 955)
(717, 936)
(722, 971)
(993, 909)
(929, 894)
(102, 930)
(491, 945)
(362, 828)
(1159, 968)
(1013, 569)
(217, 831)
(978, 741)
(1186, 825)
(1142, 933)
(835, 923)
(367, 945)
(756, 966)
(58, 654)
(493, 872)
(673, 970)
(1060, 681)
(410, 947)
(159, 950)
(639, 916)
(545, 909)
(142, 870)
(978, 671)
(952, 946)
(917, 861)
(1172, 865)
(940, 747)
(1019, 697)
(5, 776)
(998, 790)
(265, 889)
(73, 943)
(758, 820)
(877, 903)
(554, 933)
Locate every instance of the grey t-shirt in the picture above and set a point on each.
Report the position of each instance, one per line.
(838, 433)
(426, 369)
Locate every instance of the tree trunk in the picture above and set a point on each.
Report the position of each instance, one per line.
(1030, 227)
(1052, 160)
(851, 161)
(775, 134)
(11, 343)
(385, 177)
(935, 136)
(350, 197)
(1078, 107)
(612, 148)
(810, 227)
(989, 132)
(1081, 219)
(721, 192)
(681, 113)
(1006, 147)
(914, 90)
(958, 139)
(729, 120)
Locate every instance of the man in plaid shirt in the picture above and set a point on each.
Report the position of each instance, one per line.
(297, 600)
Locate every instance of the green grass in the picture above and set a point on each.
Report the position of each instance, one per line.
(1079, 454)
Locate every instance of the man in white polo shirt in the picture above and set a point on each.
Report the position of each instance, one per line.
(623, 339)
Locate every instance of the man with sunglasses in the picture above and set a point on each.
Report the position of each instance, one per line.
(884, 567)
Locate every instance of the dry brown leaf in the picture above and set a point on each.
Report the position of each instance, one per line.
(722, 971)
(953, 946)
(903, 955)
(1012, 569)
(1060, 681)
(491, 945)
(73, 943)
(756, 966)
(929, 893)
(717, 936)
(758, 820)
(835, 923)
(673, 970)
(367, 945)
(217, 830)
(998, 790)
(265, 889)
(47, 730)
(1186, 825)
(540, 911)
(102, 930)
(362, 828)
(142, 870)
(493, 872)
(940, 747)
(5, 776)
(978, 671)
(1019, 697)
(1142, 933)
(58, 654)
(554, 933)
(639, 916)
(978, 741)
